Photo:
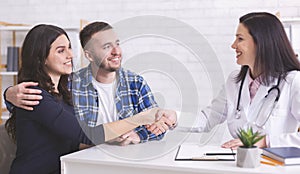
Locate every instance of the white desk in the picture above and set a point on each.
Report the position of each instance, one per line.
(154, 157)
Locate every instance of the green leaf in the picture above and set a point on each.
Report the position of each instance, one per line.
(248, 137)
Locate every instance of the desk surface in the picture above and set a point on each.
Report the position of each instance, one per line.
(156, 156)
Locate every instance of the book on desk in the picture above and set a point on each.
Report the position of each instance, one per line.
(286, 155)
(194, 152)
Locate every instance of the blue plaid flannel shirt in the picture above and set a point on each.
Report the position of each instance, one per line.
(133, 95)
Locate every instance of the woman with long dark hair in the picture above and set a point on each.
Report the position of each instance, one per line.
(265, 93)
(268, 84)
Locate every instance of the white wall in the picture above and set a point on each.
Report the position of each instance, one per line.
(178, 63)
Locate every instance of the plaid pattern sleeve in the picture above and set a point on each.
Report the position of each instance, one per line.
(134, 96)
(9, 105)
(85, 97)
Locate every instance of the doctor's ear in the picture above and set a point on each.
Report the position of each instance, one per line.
(88, 55)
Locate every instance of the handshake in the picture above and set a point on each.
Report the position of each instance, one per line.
(156, 121)
(164, 120)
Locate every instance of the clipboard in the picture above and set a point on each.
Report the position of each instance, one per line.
(194, 152)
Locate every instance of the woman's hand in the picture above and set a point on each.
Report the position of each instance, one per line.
(235, 143)
(232, 144)
(130, 137)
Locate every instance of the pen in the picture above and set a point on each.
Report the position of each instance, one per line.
(205, 158)
(211, 154)
(268, 163)
(272, 160)
(232, 152)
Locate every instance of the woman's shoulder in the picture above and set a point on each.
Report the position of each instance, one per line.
(292, 81)
(234, 73)
(232, 77)
(38, 87)
(44, 92)
(293, 76)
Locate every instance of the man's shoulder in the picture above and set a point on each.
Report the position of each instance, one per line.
(127, 72)
(80, 72)
(82, 77)
(129, 75)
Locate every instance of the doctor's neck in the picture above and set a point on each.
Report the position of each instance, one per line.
(254, 74)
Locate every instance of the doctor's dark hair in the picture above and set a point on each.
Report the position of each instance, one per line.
(35, 50)
(88, 31)
(274, 54)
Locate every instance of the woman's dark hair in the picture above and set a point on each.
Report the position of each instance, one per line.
(35, 50)
(274, 54)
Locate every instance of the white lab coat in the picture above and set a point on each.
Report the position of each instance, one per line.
(282, 125)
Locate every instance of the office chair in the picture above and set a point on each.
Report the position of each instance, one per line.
(7, 151)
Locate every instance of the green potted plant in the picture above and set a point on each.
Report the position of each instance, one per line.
(248, 155)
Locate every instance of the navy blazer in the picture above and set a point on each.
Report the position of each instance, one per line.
(48, 132)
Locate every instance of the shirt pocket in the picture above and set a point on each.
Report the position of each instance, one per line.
(278, 120)
(230, 111)
(279, 112)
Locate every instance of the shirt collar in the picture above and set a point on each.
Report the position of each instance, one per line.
(121, 77)
(89, 77)
(257, 80)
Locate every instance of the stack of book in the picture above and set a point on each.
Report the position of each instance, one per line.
(12, 58)
(282, 155)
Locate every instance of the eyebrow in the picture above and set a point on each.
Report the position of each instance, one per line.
(60, 46)
(111, 42)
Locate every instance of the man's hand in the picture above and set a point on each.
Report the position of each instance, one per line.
(166, 119)
(159, 126)
(130, 137)
(169, 114)
(84, 146)
(22, 96)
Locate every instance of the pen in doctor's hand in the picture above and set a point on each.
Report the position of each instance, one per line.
(232, 152)
(211, 154)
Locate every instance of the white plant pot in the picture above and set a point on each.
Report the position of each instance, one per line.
(248, 157)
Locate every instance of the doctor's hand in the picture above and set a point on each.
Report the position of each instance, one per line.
(22, 96)
(235, 143)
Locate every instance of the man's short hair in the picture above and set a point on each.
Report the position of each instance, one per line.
(87, 32)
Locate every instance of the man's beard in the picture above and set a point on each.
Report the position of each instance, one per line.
(109, 69)
(102, 65)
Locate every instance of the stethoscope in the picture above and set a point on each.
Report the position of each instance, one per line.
(267, 107)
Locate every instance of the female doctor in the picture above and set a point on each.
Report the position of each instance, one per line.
(265, 93)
